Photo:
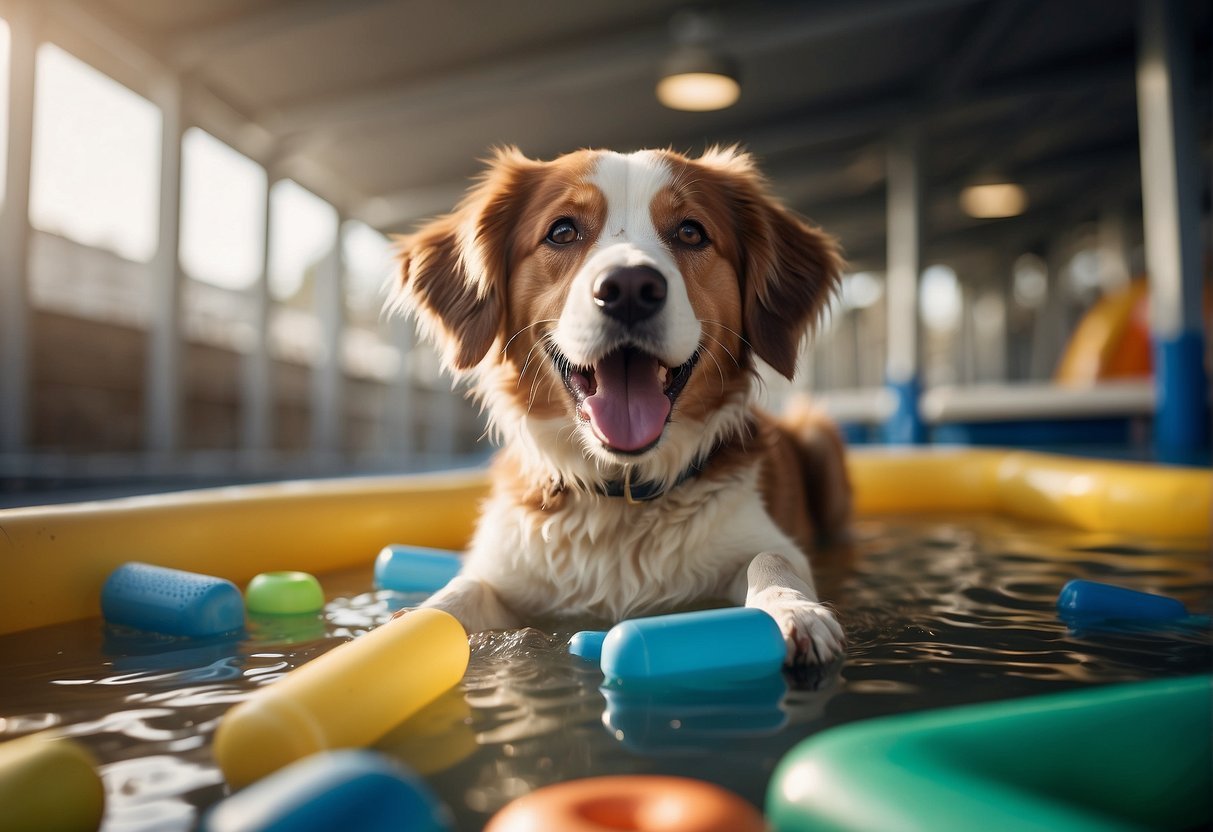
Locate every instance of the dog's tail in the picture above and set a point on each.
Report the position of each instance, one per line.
(822, 453)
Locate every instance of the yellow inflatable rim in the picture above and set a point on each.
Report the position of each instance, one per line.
(54, 559)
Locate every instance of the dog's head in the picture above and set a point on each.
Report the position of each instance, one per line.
(608, 306)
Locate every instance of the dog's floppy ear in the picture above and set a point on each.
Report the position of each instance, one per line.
(790, 268)
(453, 270)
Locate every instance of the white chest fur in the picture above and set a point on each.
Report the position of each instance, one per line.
(601, 556)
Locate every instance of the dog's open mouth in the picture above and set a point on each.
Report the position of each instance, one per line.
(626, 396)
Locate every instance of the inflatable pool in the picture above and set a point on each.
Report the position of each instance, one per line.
(949, 593)
(54, 560)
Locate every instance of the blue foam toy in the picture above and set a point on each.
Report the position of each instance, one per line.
(1095, 601)
(587, 644)
(415, 568)
(346, 789)
(171, 601)
(734, 644)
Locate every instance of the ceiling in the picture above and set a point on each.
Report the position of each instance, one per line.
(384, 106)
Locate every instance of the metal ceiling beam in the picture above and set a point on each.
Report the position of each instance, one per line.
(790, 132)
(194, 47)
(624, 56)
(985, 37)
(802, 130)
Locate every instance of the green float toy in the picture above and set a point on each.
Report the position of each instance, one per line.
(1113, 758)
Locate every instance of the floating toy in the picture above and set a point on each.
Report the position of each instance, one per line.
(1093, 600)
(284, 593)
(642, 803)
(171, 601)
(360, 790)
(732, 644)
(1122, 757)
(346, 698)
(587, 644)
(415, 568)
(48, 783)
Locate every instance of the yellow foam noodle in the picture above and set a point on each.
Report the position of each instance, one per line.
(346, 698)
(49, 783)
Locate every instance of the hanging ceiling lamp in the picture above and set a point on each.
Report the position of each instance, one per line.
(993, 197)
(696, 76)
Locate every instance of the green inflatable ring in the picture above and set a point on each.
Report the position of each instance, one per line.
(1112, 758)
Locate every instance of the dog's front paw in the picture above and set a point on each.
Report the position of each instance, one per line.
(810, 629)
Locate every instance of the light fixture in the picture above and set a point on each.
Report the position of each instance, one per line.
(695, 76)
(991, 199)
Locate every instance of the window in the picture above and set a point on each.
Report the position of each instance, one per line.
(95, 173)
(222, 212)
(303, 229)
(940, 299)
(368, 261)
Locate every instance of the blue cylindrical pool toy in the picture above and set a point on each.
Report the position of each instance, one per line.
(171, 601)
(734, 644)
(1092, 600)
(360, 790)
(415, 568)
(587, 644)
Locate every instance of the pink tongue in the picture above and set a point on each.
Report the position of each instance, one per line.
(629, 409)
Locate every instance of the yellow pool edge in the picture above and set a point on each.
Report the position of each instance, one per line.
(54, 559)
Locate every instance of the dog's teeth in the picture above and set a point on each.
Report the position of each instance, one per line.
(663, 375)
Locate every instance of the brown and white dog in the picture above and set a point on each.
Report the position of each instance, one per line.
(606, 309)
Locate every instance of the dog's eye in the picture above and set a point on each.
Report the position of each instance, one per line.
(562, 233)
(691, 233)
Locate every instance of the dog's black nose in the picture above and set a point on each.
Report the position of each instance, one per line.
(630, 294)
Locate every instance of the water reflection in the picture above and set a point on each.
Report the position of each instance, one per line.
(144, 793)
(436, 738)
(687, 720)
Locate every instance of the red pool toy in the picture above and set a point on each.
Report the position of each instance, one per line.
(641, 803)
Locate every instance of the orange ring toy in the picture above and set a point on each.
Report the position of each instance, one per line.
(640, 803)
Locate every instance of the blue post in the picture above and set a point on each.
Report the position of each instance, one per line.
(904, 237)
(905, 425)
(1181, 416)
(1171, 220)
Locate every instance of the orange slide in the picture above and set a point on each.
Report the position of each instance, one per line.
(1112, 341)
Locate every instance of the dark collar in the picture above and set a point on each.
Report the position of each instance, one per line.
(643, 492)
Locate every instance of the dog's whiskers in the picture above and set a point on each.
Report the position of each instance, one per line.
(727, 351)
(544, 338)
(524, 329)
(739, 336)
(719, 369)
(531, 352)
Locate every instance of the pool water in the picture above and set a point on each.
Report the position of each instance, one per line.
(938, 611)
